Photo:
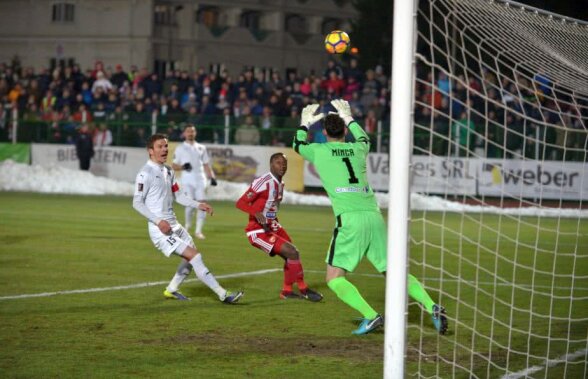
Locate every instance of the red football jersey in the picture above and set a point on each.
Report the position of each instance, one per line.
(264, 195)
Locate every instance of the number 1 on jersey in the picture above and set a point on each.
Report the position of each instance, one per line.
(352, 178)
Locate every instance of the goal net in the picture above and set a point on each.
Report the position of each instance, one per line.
(500, 133)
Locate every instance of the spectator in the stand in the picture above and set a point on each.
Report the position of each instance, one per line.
(514, 135)
(140, 139)
(184, 81)
(370, 91)
(356, 107)
(103, 136)
(207, 108)
(119, 76)
(48, 102)
(168, 82)
(430, 95)
(462, 133)
(99, 113)
(101, 82)
(139, 119)
(334, 84)
(267, 122)
(86, 93)
(332, 67)
(151, 85)
(240, 103)
(444, 84)
(352, 87)
(353, 71)
(174, 93)
(34, 90)
(14, 93)
(175, 113)
(66, 99)
(370, 123)
(247, 133)
(4, 88)
(441, 135)
(306, 86)
(82, 115)
(255, 107)
(3, 123)
(188, 98)
(31, 124)
(192, 116)
(291, 124)
(84, 147)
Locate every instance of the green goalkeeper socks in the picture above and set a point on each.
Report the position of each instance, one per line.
(351, 296)
(418, 292)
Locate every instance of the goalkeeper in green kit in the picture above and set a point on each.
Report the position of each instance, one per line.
(360, 229)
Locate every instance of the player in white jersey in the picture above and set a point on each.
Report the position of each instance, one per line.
(155, 190)
(192, 159)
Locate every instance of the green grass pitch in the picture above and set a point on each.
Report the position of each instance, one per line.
(52, 243)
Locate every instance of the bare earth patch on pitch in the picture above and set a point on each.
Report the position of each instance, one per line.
(365, 348)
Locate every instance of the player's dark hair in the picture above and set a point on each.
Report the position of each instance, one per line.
(188, 125)
(153, 138)
(334, 126)
(276, 156)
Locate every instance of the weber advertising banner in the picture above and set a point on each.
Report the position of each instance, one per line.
(533, 179)
(480, 177)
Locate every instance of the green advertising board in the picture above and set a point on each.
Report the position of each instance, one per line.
(18, 152)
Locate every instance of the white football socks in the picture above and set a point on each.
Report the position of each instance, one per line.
(182, 273)
(200, 216)
(189, 213)
(206, 277)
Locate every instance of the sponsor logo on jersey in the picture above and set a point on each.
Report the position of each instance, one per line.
(352, 189)
(140, 187)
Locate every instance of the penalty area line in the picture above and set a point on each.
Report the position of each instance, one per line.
(133, 286)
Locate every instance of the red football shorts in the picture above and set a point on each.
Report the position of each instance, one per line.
(271, 243)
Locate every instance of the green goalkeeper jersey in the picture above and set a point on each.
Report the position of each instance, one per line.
(342, 168)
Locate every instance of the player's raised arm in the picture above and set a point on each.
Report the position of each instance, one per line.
(344, 111)
(308, 118)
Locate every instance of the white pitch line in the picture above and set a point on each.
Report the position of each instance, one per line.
(548, 363)
(463, 281)
(132, 286)
(235, 275)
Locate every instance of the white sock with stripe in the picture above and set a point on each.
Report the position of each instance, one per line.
(206, 277)
(182, 273)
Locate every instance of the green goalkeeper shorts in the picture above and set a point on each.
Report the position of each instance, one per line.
(358, 234)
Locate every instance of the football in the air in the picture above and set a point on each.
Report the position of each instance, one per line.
(337, 42)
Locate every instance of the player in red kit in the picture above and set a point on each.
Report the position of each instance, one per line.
(261, 201)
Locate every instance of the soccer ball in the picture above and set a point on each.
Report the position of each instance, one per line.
(337, 42)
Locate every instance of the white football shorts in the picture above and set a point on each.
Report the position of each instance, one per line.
(176, 242)
(195, 190)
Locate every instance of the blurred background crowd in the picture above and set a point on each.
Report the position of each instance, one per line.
(123, 106)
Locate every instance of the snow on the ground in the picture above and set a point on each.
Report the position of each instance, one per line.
(34, 178)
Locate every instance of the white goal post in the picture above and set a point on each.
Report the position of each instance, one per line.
(489, 122)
